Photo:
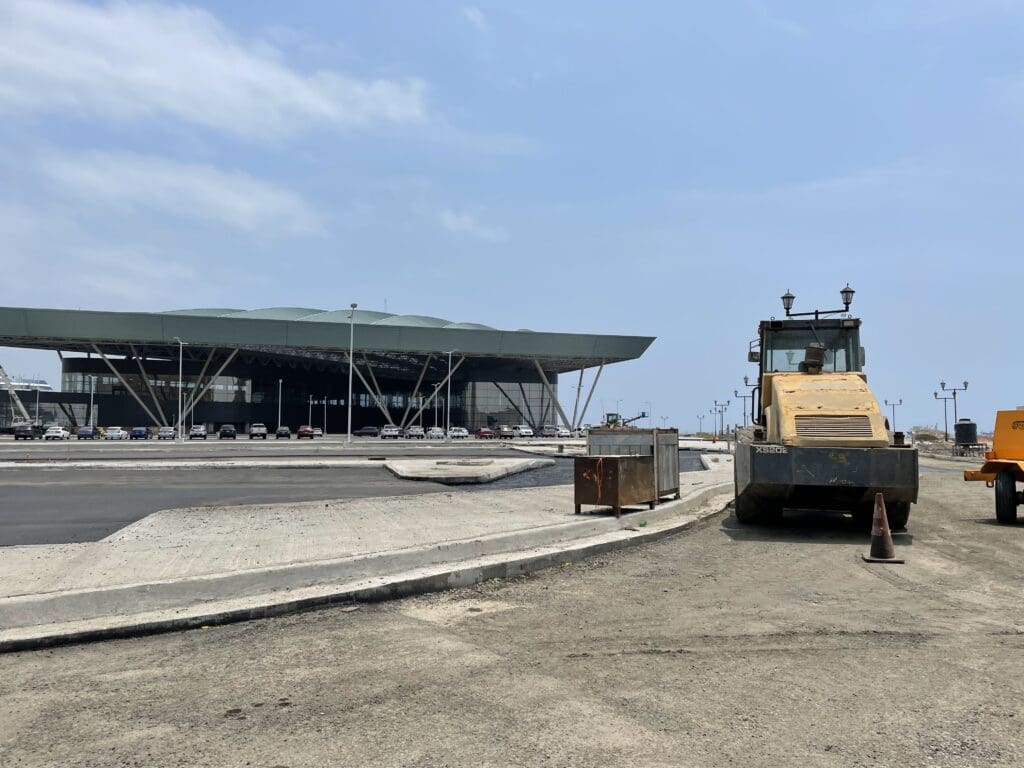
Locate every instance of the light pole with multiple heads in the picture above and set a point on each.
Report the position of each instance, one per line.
(893, 406)
(954, 390)
(744, 398)
(720, 409)
(700, 423)
(945, 415)
(181, 357)
(351, 356)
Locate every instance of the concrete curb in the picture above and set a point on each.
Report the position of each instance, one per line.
(433, 578)
(407, 469)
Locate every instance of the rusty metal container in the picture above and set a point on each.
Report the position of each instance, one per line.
(663, 444)
(614, 481)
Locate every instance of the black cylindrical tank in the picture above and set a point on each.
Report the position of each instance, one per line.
(965, 432)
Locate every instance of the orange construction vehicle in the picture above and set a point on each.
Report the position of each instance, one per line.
(1004, 465)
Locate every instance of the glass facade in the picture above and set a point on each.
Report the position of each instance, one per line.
(487, 393)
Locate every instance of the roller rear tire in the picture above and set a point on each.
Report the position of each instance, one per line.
(1006, 498)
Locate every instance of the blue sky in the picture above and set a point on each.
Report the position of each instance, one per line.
(665, 169)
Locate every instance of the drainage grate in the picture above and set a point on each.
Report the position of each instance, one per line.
(833, 426)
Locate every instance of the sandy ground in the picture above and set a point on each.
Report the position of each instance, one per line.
(722, 646)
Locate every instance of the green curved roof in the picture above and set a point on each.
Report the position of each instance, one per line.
(302, 332)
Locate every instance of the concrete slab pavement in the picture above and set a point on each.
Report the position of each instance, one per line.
(462, 471)
(199, 566)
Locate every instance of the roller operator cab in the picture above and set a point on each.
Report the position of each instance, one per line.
(820, 439)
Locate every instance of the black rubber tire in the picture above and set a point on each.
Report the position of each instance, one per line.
(897, 513)
(751, 510)
(1006, 498)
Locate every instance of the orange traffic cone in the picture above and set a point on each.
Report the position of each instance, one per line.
(882, 550)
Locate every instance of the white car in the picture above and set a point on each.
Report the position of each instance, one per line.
(549, 430)
(56, 433)
(563, 432)
(115, 433)
(458, 433)
(414, 433)
(435, 433)
(522, 430)
(390, 432)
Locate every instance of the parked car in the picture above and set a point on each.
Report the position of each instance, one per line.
(458, 433)
(227, 432)
(283, 433)
(485, 433)
(435, 433)
(317, 432)
(24, 432)
(198, 432)
(522, 430)
(56, 433)
(167, 433)
(258, 430)
(504, 432)
(88, 433)
(414, 433)
(563, 432)
(305, 431)
(115, 433)
(549, 430)
(139, 433)
(367, 432)
(390, 432)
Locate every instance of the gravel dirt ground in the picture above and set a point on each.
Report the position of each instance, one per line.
(721, 646)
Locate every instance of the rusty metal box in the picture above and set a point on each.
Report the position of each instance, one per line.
(662, 443)
(614, 481)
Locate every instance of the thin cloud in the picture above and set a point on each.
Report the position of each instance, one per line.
(476, 17)
(132, 182)
(135, 62)
(464, 224)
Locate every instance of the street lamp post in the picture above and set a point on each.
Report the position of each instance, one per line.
(325, 415)
(945, 416)
(893, 406)
(351, 355)
(700, 423)
(37, 404)
(309, 419)
(650, 417)
(436, 388)
(448, 401)
(279, 383)
(181, 357)
(954, 390)
(92, 391)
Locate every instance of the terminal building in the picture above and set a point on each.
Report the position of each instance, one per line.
(290, 366)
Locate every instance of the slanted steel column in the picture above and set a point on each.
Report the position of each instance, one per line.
(197, 398)
(526, 401)
(377, 391)
(416, 390)
(576, 407)
(145, 380)
(437, 389)
(387, 414)
(199, 379)
(590, 394)
(120, 378)
(551, 393)
(510, 400)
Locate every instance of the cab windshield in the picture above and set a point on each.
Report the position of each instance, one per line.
(784, 348)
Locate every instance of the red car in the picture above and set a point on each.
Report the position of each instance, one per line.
(305, 431)
(484, 434)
